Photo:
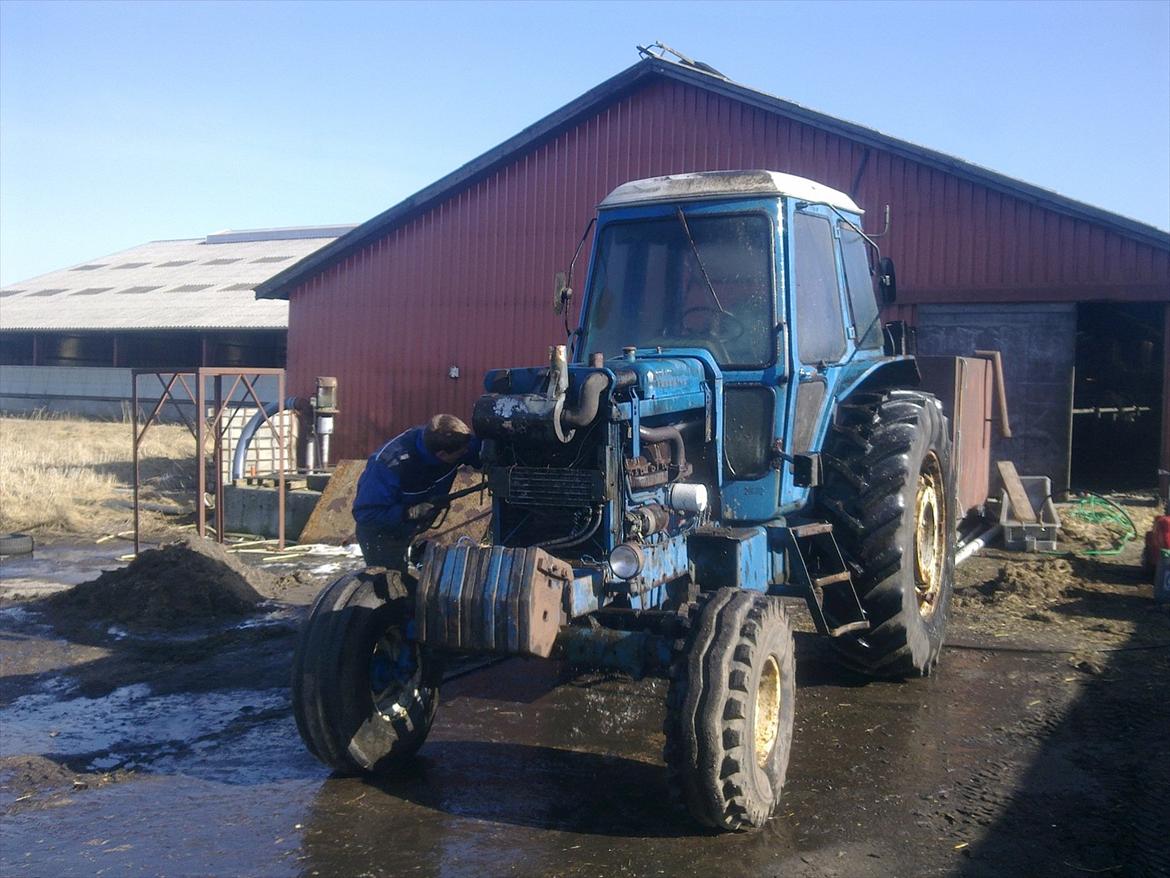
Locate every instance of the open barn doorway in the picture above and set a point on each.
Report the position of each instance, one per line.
(1117, 396)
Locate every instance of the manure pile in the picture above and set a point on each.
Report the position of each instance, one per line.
(189, 582)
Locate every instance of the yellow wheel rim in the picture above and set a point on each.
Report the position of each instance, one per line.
(929, 536)
(767, 711)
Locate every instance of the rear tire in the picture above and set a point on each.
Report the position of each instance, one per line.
(364, 696)
(889, 493)
(730, 711)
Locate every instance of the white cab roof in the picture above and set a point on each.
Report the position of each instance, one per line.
(726, 184)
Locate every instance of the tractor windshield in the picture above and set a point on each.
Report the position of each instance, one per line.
(697, 281)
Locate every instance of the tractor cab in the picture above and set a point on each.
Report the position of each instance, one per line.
(765, 275)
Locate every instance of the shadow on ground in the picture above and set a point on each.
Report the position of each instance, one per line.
(561, 789)
(1095, 798)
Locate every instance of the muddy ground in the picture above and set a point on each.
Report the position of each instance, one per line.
(1039, 748)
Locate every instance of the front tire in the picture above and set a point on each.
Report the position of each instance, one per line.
(364, 695)
(889, 493)
(730, 711)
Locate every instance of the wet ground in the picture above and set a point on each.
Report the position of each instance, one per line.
(123, 754)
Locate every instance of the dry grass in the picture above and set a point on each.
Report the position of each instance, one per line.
(60, 475)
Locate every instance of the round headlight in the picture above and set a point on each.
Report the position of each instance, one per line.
(626, 561)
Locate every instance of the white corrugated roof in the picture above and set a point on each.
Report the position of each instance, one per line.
(201, 283)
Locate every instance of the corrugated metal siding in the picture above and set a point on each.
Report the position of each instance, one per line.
(469, 281)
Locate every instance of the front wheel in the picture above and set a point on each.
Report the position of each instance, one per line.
(730, 711)
(364, 695)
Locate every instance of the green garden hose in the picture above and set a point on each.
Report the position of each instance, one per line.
(1095, 509)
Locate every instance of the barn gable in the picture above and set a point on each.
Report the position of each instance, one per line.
(458, 278)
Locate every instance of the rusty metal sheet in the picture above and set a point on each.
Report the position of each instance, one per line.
(966, 388)
(331, 521)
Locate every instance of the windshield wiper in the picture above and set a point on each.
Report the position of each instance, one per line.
(678, 212)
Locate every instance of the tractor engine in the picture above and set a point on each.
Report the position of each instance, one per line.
(604, 465)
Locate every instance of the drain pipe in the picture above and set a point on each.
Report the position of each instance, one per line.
(973, 545)
(240, 457)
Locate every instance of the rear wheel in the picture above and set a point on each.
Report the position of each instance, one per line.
(889, 492)
(730, 711)
(364, 695)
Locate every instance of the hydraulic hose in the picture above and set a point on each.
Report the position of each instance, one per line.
(574, 539)
(240, 457)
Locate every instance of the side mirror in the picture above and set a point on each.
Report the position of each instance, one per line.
(561, 293)
(887, 281)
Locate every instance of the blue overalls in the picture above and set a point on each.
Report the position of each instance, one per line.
(400, 474)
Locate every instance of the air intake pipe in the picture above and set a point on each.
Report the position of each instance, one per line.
(588, 402)
(589, 397)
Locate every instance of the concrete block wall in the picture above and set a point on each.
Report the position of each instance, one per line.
(1038, 344)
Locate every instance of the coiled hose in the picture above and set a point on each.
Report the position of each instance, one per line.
(1098, 510)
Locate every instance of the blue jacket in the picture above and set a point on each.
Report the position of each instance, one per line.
(400, 474)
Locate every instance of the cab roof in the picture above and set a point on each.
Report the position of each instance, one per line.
(726, 184)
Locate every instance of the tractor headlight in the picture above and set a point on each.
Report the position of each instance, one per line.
(626, 561)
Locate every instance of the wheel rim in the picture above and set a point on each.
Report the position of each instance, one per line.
(393, 672)
(929, 534)
(767, 711)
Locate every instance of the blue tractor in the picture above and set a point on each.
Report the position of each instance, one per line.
(731, 426)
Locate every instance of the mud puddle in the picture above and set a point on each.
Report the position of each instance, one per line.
(131, 726)
(52, 567)
(527, 772)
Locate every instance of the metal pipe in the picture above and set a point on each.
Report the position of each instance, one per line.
(671, 434)
(1114, 410)
(973, 545)
(323, 438)
(240, 457)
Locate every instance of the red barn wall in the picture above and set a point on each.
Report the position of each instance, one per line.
(468, 282)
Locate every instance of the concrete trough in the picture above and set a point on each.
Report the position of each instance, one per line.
(253, 509)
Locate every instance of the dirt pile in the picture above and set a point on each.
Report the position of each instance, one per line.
(1035, 583)
(1021, 586)
(1094, 536)
(189, 582)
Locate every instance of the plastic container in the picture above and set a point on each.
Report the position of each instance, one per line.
(1031, 537)
(1162, 578)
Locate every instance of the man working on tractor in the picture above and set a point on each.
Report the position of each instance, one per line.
(404, 484)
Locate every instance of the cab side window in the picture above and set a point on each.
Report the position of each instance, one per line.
(820, 329)
(859, 283)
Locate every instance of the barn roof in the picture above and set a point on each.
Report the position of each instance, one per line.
(200, 283)
(281, 284)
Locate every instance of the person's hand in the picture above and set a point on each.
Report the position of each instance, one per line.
(420, 511)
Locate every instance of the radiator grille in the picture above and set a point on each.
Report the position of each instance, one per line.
(532, 486)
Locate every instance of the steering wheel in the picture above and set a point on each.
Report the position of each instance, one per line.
(720, 326)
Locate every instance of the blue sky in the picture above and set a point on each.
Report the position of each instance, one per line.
(127, 122)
